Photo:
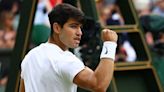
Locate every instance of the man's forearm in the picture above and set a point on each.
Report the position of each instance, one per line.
(104, 73)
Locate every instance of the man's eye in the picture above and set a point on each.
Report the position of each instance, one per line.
(74, 26)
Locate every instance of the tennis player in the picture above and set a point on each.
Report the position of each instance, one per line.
(51, 67)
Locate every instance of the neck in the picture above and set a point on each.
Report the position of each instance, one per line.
(55, 40)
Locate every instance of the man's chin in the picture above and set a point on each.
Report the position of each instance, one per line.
(75, 46)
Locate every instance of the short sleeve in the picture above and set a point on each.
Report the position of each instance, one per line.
(70, 69)
(23, 64)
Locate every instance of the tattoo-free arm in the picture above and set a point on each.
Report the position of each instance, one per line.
(22, 88)
(98, 80)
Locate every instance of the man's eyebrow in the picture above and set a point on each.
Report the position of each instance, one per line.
(77, 24)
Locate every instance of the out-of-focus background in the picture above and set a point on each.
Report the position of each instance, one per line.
(139, 63)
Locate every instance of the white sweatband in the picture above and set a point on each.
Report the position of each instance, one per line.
(108, 50)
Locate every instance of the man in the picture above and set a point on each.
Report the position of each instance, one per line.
(50, 67)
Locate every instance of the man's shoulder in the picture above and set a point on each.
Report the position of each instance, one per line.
(35, 50)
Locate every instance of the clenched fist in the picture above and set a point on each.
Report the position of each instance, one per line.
(109, 35)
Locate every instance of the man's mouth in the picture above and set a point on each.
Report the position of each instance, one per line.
(77, 40)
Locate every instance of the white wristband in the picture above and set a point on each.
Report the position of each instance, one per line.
(108, 50)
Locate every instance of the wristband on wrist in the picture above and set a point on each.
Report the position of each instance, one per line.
(108, 50)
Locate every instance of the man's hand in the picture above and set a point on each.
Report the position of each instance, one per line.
(109, 35)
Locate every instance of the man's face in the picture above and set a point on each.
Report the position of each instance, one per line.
(71, 33)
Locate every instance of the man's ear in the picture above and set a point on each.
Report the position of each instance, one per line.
(56, 28)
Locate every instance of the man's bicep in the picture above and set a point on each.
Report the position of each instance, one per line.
(86, 79)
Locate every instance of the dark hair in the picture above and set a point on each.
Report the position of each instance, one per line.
(62, 12)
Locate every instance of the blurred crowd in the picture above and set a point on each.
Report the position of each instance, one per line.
(109, 13)
(151, 15)
(151, 18)
(9, 17)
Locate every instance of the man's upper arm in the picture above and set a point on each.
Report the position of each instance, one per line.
(22, 87)
(98, 80)
(86, 79)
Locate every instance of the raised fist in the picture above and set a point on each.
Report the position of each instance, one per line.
(109, 35)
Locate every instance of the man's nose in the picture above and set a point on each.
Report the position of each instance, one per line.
(79, 32)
